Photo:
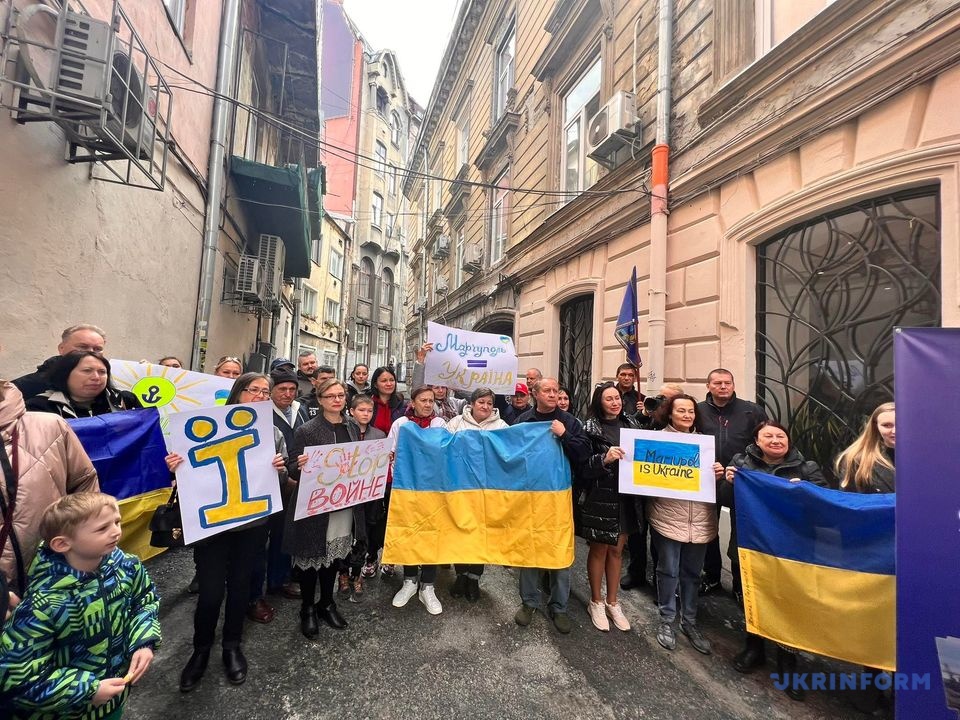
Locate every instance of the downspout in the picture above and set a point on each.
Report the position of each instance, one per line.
(657, 320)
(216, 174)
(423, 247)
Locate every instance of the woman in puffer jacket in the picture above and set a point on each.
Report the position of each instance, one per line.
(47, 462)
(604, 518)
(478, 414)
(680, 531)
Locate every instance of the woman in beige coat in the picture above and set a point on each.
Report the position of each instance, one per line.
(45, 462)
(680, 531)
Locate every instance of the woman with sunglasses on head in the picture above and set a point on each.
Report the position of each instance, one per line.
(228, 367)
(680, 531)
(225, 563)
(388, 406)
(421, 413)
(318, 543)
(604, 518)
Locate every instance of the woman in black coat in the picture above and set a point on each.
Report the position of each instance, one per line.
(771, 452)
(603, 517)
(318, 543)
(80, 386)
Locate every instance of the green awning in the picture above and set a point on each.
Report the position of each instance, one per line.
(317, 188)
(275, 201)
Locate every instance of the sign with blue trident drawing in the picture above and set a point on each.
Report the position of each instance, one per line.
(227, 478)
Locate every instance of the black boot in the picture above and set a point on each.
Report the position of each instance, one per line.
(473, 589)
(194, 669)
(786, 669)
(308, 622)
(235, 665)
(459, 588)
(752, 656)
(331, 616)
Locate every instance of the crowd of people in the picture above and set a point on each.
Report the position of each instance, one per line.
(58, 530)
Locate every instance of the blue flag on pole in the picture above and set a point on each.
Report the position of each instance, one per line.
(128, 451)
(626, 330)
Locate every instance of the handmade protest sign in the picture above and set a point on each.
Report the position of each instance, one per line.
(465, 360)
(227, 478)
(169, 389)
(666, 464)
(341, 475)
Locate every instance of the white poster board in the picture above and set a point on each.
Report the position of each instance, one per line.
(465, 360)
(341, 475)
(169, 389)
(227, 478)
(668, 464)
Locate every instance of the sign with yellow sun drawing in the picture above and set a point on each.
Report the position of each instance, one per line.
(227, 478)
(169, 389)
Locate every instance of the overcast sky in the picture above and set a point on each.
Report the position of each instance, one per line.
(416, 30)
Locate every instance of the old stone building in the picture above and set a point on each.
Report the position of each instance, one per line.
(812, 199)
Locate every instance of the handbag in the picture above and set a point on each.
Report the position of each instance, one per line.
(166, 525)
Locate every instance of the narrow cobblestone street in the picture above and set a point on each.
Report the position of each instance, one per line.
(471, 662)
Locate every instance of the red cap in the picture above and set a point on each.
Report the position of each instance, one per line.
(521, 389)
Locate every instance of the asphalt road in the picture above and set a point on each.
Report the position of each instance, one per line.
(470, 662)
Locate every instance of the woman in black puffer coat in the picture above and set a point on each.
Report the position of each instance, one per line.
(603, 517)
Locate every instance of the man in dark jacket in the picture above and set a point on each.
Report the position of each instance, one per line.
(87, 338)
(306, 367)
(576, 446)
(731, 421)
(626, 384)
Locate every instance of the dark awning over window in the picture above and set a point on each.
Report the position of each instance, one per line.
(275, 199)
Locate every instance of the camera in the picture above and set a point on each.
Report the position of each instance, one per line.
(651, 404)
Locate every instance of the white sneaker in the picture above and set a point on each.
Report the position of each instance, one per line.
(429, 599)
(407, 591)
(598, 617)
(616, 614)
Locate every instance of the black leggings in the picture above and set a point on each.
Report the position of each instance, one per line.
(326, 577)
(377, 530)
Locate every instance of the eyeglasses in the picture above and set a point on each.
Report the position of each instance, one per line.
(228, 358)
(338, 396)
(262, 392)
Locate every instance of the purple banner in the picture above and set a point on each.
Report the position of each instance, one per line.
(928, 518)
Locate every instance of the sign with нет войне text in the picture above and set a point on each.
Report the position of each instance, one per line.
(668, 464)
(465, 360)
(227, 478)
(342, 475)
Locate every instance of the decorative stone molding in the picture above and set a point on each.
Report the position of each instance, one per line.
(499, 142)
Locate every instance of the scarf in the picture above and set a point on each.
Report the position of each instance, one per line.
(423, 422)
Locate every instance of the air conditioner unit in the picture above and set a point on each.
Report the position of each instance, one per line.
(614, 127)
(421, 303)
(85, 47)
(441, 248)
(249, 283)
(440, 285)
(268, 252)
(473, 258)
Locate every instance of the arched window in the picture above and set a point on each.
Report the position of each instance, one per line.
(386, 288)
(366, 279)
(396, 128)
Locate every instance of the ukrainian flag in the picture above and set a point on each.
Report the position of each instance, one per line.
(818, 568)
(128, 451)
(501, 497)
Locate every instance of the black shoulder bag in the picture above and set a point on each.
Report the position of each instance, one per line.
(7, 506)
(166, 525)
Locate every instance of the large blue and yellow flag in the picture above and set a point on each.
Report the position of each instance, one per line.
(499, 498)
(818, 568)
(128, 451)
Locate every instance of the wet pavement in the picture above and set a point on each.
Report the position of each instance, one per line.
(472, 661)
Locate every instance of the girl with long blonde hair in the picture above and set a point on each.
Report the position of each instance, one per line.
(867, 466)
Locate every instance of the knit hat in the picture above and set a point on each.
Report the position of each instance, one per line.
(282, 375)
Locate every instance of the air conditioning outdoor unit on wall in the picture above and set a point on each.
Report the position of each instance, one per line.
(473, 258)
(93, 66)
(249, 282)
(613, 127)
(440, 285)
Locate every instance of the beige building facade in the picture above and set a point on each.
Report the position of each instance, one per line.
(813, 193)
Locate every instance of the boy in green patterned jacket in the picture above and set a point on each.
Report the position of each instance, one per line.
(88, 624)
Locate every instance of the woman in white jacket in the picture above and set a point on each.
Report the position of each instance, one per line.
(478, 414)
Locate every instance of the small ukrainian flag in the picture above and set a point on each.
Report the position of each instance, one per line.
(818, 568)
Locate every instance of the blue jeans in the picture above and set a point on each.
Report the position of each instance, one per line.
(678, 564)
(273, 567)
(559, 588)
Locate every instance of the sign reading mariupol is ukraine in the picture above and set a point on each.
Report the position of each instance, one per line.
(342, 475)
(227, 478)
(667, 464)
(466, 360)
